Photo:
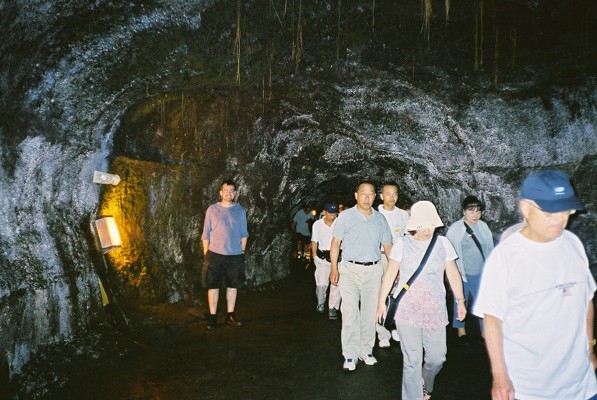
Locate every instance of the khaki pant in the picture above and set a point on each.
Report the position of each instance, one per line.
(382, 332)
(358, 284)
(322, 281)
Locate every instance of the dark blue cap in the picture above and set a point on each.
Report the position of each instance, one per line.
(551, 190)
(331, 207)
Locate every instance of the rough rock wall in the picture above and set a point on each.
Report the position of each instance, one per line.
(306, 147)
(84, 87)
(65, 81)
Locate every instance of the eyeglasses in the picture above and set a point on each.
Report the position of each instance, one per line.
(547, 213)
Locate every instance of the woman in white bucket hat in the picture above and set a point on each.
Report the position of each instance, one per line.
(422, 315)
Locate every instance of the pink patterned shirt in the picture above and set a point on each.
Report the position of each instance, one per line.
(424, 304)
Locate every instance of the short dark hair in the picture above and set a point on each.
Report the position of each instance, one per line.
(472, 202)
(228, 182)
(365, 182)
(390, 183)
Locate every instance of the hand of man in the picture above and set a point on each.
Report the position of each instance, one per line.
(502, 388)
(334, 276)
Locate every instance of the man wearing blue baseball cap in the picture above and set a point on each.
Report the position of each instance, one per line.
(536, 298)
(321, 240)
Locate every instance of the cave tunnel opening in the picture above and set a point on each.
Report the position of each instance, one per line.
(172, 153)
(342, 189)
(339, 189)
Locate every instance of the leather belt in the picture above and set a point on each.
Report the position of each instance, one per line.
(365, 263)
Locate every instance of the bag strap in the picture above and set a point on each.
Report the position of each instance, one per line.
(414, 276)
(471, 233)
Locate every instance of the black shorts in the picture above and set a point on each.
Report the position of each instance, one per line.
(303, 238)
(218, 266)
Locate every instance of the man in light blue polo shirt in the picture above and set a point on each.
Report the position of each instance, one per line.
(361, 231)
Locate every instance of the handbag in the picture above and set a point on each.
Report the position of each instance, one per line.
(394, 296)
(471, 233)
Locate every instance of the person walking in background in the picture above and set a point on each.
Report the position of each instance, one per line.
(422, 316)
(473, 242)
(397, 220)
(321, 240)
(536, 297)
(224, 241)
(511, 229)
(300, 226)
(360, 231)
(404, 203)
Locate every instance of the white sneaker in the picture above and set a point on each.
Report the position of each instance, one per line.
(350, 364)
(368, 359)
(395, 335)
(384, 343)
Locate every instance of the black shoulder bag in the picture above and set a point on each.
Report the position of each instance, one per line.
(395, 295)
(471, 233)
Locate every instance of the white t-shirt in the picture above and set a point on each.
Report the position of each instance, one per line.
(397, 220)
(322, 234)
(540, 292)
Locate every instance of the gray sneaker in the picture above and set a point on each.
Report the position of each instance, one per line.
(333, 314)
(320, 308)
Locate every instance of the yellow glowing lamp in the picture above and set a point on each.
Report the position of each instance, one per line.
(107, 233)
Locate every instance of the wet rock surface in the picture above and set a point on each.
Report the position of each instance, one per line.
(295, 100)
(286, 350)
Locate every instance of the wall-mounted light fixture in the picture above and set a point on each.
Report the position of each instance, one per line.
(106, 233)
(107, 237)
(104, 178)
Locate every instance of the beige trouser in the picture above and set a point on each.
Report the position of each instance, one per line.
(322, 281)
(359, 284)
(382, 332)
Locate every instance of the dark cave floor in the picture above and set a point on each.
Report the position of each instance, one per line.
(285, 350)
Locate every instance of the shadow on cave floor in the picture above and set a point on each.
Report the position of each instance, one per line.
(286, 350)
